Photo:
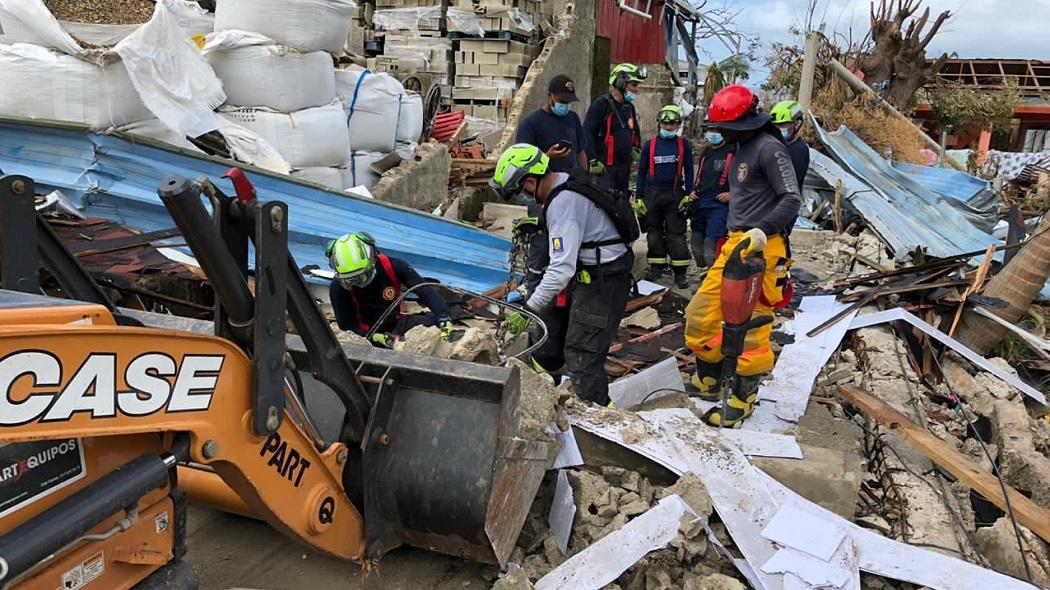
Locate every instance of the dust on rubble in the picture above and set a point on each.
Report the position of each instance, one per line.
(103, 12)
(606, 500)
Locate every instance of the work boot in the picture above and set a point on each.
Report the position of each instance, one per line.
(739, 406)
(555, 373)
(706, 382)
(655, 273)
(681, 281)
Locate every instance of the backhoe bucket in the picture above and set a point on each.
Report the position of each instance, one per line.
(444, 468)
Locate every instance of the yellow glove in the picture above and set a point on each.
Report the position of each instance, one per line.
(758, 241)
(446, 330)
(384, 340)
(596, 167)
(639, 207)
(516, 322)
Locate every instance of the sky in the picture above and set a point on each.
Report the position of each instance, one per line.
(978, 28)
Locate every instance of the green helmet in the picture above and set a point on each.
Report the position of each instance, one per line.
(353, 258)
(517, 163)
(669, 114)
(624, 73)
(786, 111)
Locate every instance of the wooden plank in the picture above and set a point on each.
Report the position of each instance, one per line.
(1027, 512)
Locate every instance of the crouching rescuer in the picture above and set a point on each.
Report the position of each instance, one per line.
(583, 291)
(764, 203)
(367, 282)
(665, 186)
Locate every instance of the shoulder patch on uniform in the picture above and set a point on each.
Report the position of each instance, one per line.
(557, 245)
(742, 171)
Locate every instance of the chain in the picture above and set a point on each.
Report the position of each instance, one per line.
(518, 261)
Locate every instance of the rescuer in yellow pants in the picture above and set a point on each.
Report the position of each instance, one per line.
(764, 201)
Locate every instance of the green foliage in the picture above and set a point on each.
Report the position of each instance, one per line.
(960, 108)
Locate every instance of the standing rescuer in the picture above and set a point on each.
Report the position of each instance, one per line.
(763, 204)
(557, 130)
(664, 188)
(787, 116)
(361, 292)
(710, 210)
(583, 291)
(612, 128)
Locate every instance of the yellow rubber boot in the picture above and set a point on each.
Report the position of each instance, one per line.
(737, 409)
(706, 382)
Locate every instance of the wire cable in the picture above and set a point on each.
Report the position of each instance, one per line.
(962, 409)
(532, 316)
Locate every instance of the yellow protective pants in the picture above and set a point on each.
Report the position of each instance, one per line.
(703, 316)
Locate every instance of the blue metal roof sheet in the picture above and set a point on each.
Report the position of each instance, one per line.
(116, 177)
(899, 206)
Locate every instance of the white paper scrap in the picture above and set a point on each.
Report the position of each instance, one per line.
(652, 383)
(646, 288)
(569, 454)
(794, 527)
(604, 561)
(763, 444)
(563, 511)
(816, 572)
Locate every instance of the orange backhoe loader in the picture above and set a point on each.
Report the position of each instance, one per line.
(105, 422)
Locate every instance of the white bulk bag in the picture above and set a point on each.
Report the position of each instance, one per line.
(39, 83)
(44, 29)
(307, 25)
(359, 172)
(410, 118)
(310, 137)
(372, 103)
(156, 130)
(323, 175)
(255, 71)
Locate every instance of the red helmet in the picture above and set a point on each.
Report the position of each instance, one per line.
(730, 103)
(733, 107)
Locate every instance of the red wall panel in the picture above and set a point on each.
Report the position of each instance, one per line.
(634, 38)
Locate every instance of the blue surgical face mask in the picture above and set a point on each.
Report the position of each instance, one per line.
(785, 133)
(669, 133)
(560, 109)
(713, 138)
(629, 96)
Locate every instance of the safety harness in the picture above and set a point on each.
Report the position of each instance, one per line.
(681, 159)
(725, 169)
(388, 269)
(610, 140)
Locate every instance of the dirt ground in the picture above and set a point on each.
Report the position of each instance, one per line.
(234, 552)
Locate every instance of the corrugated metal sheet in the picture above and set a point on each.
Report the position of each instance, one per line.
(115, 178)
(897, 205)
(975, 196)
(633, 38)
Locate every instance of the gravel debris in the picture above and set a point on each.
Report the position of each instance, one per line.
(103, 12)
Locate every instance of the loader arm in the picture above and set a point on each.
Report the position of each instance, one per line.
(89, 381)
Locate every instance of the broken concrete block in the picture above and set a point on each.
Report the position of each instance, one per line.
(620, 477)
(634, 508)
(719, 582)
(998, 544)
(345, 337)
(646, 318)
(515, 580)
(693, 492)
(658, 578)
(423, 340)
(477, 345)
(538, 400)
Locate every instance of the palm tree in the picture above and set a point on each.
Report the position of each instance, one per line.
(1018, 284)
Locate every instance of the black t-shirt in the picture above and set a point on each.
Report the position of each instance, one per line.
(373, 299)
(799, 152)
(543, 130)
(625, 131)
(712, 180)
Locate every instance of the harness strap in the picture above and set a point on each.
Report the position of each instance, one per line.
(681, 159)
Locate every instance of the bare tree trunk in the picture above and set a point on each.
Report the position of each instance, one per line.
(899, 56)
(1019, 283)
